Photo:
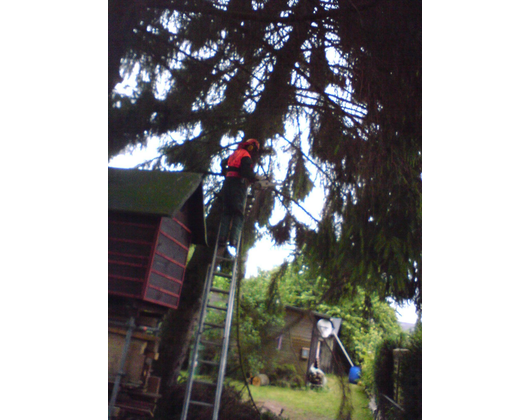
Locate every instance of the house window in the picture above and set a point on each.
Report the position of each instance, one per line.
(304, 353)
(279, 342)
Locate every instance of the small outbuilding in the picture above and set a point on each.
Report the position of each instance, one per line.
(300, 344)
(154, 217)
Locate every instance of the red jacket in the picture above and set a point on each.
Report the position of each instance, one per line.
(240, 165)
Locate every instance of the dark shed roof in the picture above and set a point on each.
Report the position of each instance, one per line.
(160, 193)
(337, 322)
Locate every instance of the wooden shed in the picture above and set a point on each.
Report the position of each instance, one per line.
(154, 216)
(299, 343)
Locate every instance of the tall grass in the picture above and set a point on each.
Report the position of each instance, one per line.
(337, 400)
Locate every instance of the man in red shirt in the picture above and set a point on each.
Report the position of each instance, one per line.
(239, 172)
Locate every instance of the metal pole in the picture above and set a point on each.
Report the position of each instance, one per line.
(343, 349)
(121, 372)
(393, 402)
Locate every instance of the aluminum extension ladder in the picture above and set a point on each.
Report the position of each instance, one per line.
(202, 344)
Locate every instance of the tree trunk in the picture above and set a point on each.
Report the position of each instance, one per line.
(178, 326)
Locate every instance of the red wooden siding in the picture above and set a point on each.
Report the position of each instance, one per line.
(131, 239)
(169, 263)
(147, 257)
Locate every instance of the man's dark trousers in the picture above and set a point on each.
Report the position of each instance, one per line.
(233, 193)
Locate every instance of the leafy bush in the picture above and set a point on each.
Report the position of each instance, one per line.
(384, 370)
(410, 379)
(286, 376)
(407, 380)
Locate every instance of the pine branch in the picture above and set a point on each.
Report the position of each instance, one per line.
(257, 16)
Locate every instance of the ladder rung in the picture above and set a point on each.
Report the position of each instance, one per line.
(197, 381)
(201, 403)
(214, 325)
(211, 343)
(208, 362)
(221, 274)
(217, 290)
(217, 308)
(219, 258)
(223, 259)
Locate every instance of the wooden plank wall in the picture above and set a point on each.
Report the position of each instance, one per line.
(299, 332)
(166, 275)
(131, 240)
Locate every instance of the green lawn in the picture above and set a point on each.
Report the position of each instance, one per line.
(306, 404)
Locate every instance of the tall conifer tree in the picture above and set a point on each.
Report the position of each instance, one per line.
(343, 74)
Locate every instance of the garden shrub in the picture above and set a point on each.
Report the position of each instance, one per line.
(408, 381)
(410, 378)
(286, 376)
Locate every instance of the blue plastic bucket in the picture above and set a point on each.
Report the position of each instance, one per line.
(355, 374)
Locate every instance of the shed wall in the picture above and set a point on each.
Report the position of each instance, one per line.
(147, 256)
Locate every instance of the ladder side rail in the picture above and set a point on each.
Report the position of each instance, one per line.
(228, 324)
(226, 341)
(205, 296)
(195, 352)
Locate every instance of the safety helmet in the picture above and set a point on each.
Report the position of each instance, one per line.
(251, 144)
